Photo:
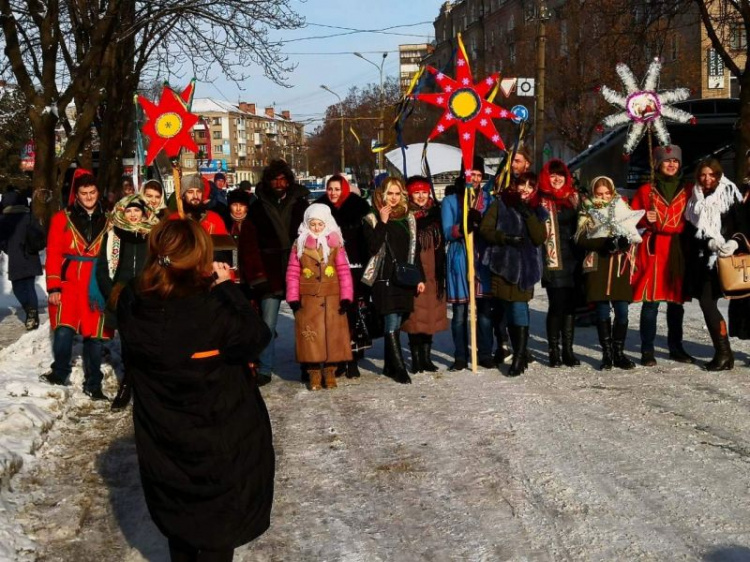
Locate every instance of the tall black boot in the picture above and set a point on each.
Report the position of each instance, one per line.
(124, 392)
(519, 337)
(568, 331)
(619, 333)
(723, 358)
(554, 326)
(677, 353)
(604, 329)
(415, 341)
(397, 370)
(352, 369)
(426, 349)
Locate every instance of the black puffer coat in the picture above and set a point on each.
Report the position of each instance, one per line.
(202, 430)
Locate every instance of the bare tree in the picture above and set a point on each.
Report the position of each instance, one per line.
(94, 54)
(727, 24)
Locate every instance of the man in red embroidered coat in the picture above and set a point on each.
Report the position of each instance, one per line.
(75, 236)
(660, 264)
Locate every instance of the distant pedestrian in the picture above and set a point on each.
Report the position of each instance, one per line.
(18, 230)
(319, 292)
(202, 431)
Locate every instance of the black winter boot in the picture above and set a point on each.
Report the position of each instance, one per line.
(415, 342)
(426, 351)
(352, 369)
(397, 368)
(677, 353)
(619, 333)
(519, 337)
(32, 318)
(124, 392)
(723, 358)
(604, 329)
(554, 326)
(568, 331)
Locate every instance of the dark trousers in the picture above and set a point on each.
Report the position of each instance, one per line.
(649, 312)
(708, 301)
(181, 552)
(562, 301)
(62, 350)
(25, 291)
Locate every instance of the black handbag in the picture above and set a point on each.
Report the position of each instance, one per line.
(360, 334)
(405, 275)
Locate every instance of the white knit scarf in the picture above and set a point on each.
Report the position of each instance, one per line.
(322, 213)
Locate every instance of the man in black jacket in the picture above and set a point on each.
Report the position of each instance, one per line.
(265, 242)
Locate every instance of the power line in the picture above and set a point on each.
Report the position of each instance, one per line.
(353, 31)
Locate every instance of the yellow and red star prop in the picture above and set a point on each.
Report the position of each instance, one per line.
(467, 105)
(169, 123)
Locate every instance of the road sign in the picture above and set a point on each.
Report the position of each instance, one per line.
(521, 114)
(525, 87)
(507, 85)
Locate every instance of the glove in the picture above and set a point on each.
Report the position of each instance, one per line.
(610, 245)
(524, 210)
(713, 245)
(473, 220)
(261, 289)
(295, 306)
(728, 248)
(512, 240)
(345, 306)
(623, 243)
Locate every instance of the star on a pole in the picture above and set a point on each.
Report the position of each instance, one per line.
(169, 123)
(464, 103)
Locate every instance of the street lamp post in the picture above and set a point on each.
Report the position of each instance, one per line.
(543, 16)
(341, 116)
(381, 128)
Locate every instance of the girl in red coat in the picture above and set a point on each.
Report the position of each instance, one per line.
(660, 264)
(319, 291)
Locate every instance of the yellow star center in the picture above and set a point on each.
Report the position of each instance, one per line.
(464, 104)
(168, 125)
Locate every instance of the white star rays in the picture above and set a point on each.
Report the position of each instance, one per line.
(644, 108)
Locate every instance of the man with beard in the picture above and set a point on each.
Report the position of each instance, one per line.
(73, 243)
(265, 242)
(195, 207)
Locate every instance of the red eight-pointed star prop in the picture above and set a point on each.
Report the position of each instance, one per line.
(169, 123)
(466, 106)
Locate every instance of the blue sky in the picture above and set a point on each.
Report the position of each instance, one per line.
(305, 99)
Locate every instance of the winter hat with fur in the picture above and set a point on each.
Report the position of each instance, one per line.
(669, 152)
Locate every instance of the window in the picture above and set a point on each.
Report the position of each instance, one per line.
(219, 148)
(563, 38)
(511, 23)
(202, 148)
(512, 53)
(216, 121)
(216, 135)
(737, 38)
(674, 47)
(200, 133)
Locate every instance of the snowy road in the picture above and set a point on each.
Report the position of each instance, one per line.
(560, 464)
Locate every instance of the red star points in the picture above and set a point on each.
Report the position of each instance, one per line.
(169, 123)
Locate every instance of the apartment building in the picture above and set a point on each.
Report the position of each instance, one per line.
(242, 139)
(410, 57)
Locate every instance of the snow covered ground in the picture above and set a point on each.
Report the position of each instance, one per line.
(559, 464)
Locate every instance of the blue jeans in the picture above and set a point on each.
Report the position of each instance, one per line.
(25, 291)
(269, 310)
(459, 329)
(391, 322)
(62, 350)
(620, 307)
(517, 313)
(649, 312)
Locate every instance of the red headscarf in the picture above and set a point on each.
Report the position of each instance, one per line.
(345, 189)
(77, 173)
(566, 196)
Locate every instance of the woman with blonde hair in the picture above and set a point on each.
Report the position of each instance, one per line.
(391, 235)
(202, 431)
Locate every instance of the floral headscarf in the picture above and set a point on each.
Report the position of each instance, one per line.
(147, 222)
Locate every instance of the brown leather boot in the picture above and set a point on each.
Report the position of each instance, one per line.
(316, 376)
(329, 372)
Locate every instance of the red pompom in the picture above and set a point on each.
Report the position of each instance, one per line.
(668, 149)
(600, 128)
(693, 121)
(597, 89)
(626, 157)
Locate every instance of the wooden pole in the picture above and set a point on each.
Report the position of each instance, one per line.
(177, 191)
(469, 198)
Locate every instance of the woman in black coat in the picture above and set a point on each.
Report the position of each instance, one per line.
(391, 234)
(349, 210)
(202, 431)
(23, 265)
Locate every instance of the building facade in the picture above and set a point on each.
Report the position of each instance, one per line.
(410, 58)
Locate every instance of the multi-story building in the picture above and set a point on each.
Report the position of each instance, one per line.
(241, 140)
(410, 58)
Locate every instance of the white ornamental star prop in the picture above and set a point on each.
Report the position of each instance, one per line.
(616, 219)
(644, 108)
